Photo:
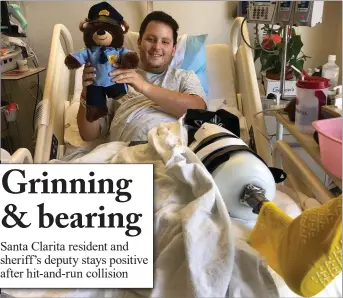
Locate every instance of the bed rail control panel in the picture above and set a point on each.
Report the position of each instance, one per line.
(294, 13)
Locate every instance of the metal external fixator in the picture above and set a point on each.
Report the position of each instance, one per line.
(254, 197)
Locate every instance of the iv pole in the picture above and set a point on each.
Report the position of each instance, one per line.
(279, 127)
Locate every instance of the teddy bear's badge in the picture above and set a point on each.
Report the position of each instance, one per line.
(112, 59)
(104, 12)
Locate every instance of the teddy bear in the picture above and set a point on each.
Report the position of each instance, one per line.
(103, 35)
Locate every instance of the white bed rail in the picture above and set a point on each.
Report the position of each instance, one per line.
(235, 34)
(51, 128)
(247, 87)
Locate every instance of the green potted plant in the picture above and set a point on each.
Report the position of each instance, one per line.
(271, 54)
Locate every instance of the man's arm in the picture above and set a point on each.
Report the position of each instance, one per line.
(172, 102)
(89, 131)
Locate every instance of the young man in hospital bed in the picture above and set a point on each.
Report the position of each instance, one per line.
(157, 94)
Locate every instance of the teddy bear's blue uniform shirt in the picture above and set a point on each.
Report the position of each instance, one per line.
(92, 55)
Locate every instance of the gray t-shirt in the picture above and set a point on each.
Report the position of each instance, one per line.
(134, 115)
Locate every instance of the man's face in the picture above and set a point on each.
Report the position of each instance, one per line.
(156, 47)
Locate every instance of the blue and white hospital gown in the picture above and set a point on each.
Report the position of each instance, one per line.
(93, 54)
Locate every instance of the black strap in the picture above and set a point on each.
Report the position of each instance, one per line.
(213, 138)
(219, 156)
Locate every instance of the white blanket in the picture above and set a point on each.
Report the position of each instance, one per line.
(196, 253)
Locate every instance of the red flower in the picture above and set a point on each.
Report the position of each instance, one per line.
(268, 42)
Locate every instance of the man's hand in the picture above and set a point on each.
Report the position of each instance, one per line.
(88, 75)
(171, 102)
(131, 77)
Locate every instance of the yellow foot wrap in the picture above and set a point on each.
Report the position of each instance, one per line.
(307, 251)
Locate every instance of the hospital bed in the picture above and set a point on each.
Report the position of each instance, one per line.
(232, 85)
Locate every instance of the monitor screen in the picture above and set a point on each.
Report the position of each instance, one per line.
(303, 4)
(5, 19)
(285, 4)
(257, 3)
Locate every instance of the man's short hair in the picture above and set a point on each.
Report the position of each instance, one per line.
(160, 16)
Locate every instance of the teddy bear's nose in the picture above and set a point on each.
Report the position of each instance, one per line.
(101, 32)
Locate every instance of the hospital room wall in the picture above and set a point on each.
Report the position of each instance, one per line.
(214, 18)
(211, 17)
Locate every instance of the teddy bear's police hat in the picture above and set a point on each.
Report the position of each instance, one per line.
(104, 12)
